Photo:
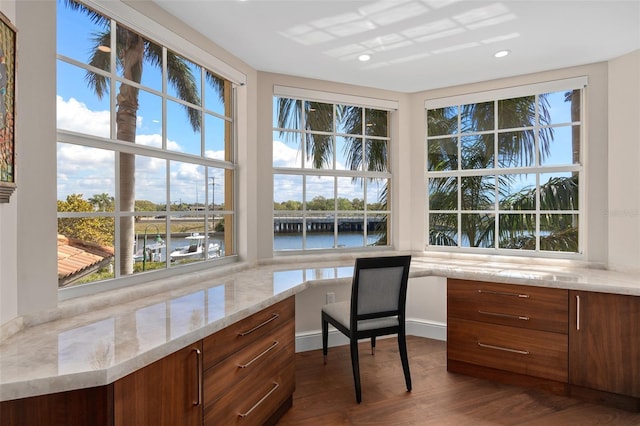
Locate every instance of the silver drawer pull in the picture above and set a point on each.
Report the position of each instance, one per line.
(504, 293)
(501, 348)
(260, 355)
(274, 317)
(496, 314)
(273, 389)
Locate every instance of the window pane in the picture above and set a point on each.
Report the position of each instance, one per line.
(145, 127)
(477, 230)
(189, 239)
(287, 192)
(319, 151)
(349, 119)
(182, 135)
(559, 191)
(288, 229)
(318, 116)
(86, 243)
(442, 154)
(477, 152)
(150, 245)
(320, 231)
(83, 38)
(563, 107)
(443, 229)
(517, 192)
(187, 186)
(378, 194)
(150, 183)
(565, 147)
(287, 149)
(442, 121)
(217, 189)
(376, 155)
(443, 193)
(376, 122)
(477, 117)
(184, 79)
(85, 171)
(217, 93)
(350, 194)
(217, 138)
(378, 229)
(351, 230)
(516, 112)
(287, 113)
(516, 149)
(320, 193)
(78, 107)
(143, 61)
(518, 231)
(478, 192)
(345, 150)
(559, 232)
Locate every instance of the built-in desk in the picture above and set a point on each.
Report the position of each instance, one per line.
(99, 339)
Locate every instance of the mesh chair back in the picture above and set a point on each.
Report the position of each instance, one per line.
(380, 286)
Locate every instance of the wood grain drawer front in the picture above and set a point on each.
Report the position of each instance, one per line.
(531, 352)
(236, 336)
(251, 359)
(536, 308)
(256, 398)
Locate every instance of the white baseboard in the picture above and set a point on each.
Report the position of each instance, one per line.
(312, 340)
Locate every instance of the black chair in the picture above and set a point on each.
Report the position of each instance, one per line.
(377, 308)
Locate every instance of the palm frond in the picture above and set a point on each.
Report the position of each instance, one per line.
(180, 76)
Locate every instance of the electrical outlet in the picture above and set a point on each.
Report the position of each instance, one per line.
(331, 297)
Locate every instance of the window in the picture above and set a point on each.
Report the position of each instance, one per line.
(145, 156)
(504, 169)
(331, 178)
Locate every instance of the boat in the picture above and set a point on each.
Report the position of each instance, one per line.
(154, 252)
(195, 249)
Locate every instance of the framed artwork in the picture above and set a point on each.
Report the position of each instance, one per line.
(7, 108)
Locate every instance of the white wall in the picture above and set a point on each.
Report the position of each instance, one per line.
(8, 234)
(624, 156)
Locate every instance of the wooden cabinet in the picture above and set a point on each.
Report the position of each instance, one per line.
(249, 373)
(243, 374)
(604, 341)
(167, 392)
(512, 333)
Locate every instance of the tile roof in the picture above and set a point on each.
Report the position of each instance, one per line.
(77, 258)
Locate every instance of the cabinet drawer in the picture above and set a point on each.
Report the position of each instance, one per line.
(531, 352)
(236, 336)
(258, 355)
(255, 399)
(536, 308)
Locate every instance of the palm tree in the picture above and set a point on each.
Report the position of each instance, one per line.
(130, 52)
(102, 202)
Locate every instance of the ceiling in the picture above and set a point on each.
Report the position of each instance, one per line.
(414, 45)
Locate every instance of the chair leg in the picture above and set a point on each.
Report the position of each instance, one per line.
(402, 346)
(356, 368)
(373, 345)
(325, 340)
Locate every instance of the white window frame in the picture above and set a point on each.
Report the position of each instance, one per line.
(303, 95)
(576, 83)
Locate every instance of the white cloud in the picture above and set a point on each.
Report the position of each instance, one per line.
(284, 155)
(75, 116)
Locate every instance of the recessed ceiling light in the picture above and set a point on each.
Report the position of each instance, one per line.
(501, 53)
(105, 49)
(364, 57)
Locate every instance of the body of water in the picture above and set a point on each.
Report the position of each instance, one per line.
(321, 240)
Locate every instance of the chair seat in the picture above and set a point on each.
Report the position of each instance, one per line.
(341, 312)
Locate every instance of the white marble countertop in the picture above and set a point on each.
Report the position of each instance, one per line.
(98, 339)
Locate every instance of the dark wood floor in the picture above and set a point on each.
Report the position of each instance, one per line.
(325, 395)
